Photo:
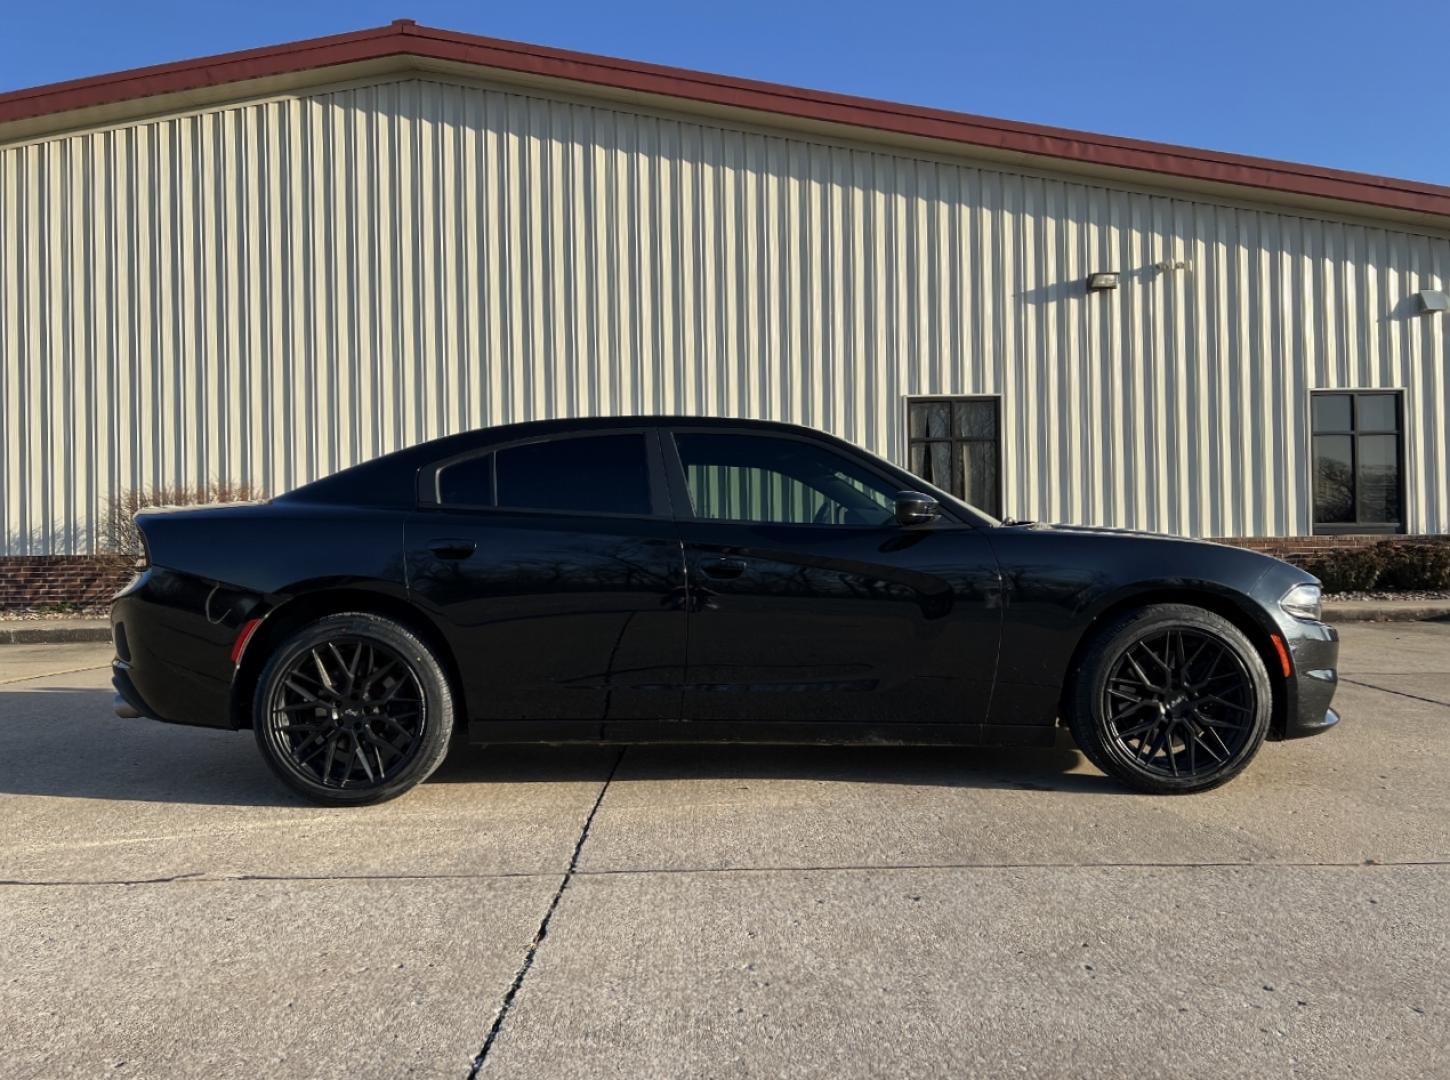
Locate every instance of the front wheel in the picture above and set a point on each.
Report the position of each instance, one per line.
(1170, 699)
(353, 709)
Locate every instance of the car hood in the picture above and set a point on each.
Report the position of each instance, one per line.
(1103, 530)
(1212, 552)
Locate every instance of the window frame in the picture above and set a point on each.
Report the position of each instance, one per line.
(937, 399)
(1353, 433)
(429, 497)
(680, 488)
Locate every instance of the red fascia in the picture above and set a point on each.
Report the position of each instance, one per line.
(405, 38)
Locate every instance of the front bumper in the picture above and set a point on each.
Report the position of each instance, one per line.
(1314, 651)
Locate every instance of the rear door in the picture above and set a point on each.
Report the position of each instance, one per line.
(555, 568)
(811, 604)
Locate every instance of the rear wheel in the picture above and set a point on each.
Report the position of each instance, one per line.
(1170, 699)
(353, 709)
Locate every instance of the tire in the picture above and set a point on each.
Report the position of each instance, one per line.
(1195, 718)
(352, 709)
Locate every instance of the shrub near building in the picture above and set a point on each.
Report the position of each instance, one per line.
(118, 534)
(1403, 567)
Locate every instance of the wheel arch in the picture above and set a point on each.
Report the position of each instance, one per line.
(1237, 611)
(298, 611)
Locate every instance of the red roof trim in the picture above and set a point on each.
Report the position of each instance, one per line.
(405, 38)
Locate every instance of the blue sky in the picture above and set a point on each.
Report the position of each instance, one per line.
(1350, 85)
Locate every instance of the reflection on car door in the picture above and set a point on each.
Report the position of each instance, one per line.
(810, 604)
(559, 573)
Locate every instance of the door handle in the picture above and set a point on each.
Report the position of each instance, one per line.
(452, 548)
(722, 568)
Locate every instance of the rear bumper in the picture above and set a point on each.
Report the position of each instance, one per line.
(172, 661)
(127, 702)
(1314, 649)
(199, 704)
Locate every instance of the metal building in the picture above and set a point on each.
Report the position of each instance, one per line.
(268, 265)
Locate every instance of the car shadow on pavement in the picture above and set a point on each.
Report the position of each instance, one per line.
(1057, 768)
(65, 742)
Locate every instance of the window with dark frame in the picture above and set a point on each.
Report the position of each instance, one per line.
(468, 482)
(954, 443)
(595, 474)
(1357, 445)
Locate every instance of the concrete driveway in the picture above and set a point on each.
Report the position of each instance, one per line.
(167, 910)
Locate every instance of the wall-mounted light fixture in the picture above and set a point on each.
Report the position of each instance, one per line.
(1428, 301)
(1102, 281)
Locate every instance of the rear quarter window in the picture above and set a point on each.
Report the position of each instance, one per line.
(598, 474)
(467, 483)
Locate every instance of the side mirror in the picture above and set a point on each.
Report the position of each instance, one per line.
(914, 508)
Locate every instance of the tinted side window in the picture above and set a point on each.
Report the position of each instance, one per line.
(781, 481)
(603, 474)
(467, 483)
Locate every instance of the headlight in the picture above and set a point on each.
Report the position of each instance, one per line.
(1303, 602)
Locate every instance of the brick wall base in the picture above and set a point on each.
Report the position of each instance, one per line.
(1294, 548)
(49, 581)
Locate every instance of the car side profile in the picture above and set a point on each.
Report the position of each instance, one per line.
(665, 579)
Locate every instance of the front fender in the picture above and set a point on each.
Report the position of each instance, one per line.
(1059, 582)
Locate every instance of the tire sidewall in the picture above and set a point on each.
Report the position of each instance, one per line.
(1114, 642)
(437, 717)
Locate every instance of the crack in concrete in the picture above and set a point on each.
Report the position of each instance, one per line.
(482, 1059)
(1401, 693)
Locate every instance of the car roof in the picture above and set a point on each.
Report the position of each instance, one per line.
(524, 429)
(391, 479)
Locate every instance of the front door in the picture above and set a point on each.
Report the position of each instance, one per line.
(557, 572)
(811, 604)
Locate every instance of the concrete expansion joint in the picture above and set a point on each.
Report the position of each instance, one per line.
(1401, 693)
(202, 878)
(48, 674)
(482, 1059)
(195, 875)
(885, 868)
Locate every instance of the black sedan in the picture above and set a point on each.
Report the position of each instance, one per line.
(683, 580)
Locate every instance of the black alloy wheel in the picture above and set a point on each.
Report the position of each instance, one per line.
(1171, 698)
(1177, 700)
(348, 712)
(353, 709)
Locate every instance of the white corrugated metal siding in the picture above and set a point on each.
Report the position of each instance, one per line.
(272, 291)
